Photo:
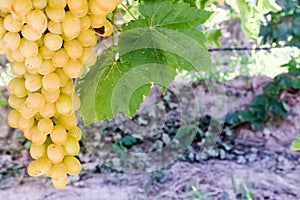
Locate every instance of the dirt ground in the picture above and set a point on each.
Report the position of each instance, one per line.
(271, 173)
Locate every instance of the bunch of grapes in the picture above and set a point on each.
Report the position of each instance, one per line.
(48, 43)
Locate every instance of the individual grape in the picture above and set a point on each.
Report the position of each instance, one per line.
(79, 8)
(97, 21)
(17, 87)
(18, 69)
(72, 165)
(53, 41)
(45, 126)
(33, 82)
(35, 101)
(55, 14)
(15, 102)
(96, 9)
(55, 153)
(47, 67)
(76, 133)
(17, 56)
(21, 7)
(58, 135)
(12, 40)
(71, 146)
(48, 110)
(64, 79)
(71, 25)
(73, 69)
(73, 48)
(25, 124)
(39, 4)
(37, 20)
(13, 118)
(60, 183)
(39, 167)
(54, 27)
(57, 3)
(51, 82)
(87, 38)
(68, 89)
(34, 63)
(37, 151)
(107, 6)
(30, 34)
(11, 24)
(57, 171)
(64, 105)
(28, 48)
(37, 137)
(60, 58)
(50, 96)
(76, 102)
(46, 53)
(27, 112)
(9, 56)
(85, 22)
(6, 5)
(68, 122)
(88, 58)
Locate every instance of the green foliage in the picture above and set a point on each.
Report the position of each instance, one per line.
(151, 49)
(283, 27)
(268, 104)
(251, 12)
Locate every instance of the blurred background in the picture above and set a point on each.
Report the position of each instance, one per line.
(250, 159)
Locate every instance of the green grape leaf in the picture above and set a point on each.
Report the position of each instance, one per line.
(213, 37)
(151, 51)
(295, 145)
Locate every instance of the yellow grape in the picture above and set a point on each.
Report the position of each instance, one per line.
(28, 48)
(27, 112)
(76, 133)
(97, 21)
(64, 105)
(57, 171)
(64, 79)
(68, 89)
(11, 24)
(35, 101)
(55, 153)
(37, 151)
(48, 110)
(39, 167)
(108, 29)
(60, 58)
(58, 135)
(33, 82)
(6, 5)
(51, 82)
(73, 69)
(68, 122)
(54, 27)
(47, 67)
(37, 137)
(25, 124)
(76, 102)
(15, 102)
(45, 126)
(60, 183)
(39, 4)
(108, 6)
(46, 53)
(73, 48)
(57, 3)
(72, 165)
(34, 63)
(13, 118)
(51, 96)
(71, 25)
(53, 41)
(30, 34)
(17, 56)
(87, 38)
(79, 8)
(71, 146)
(17, 87)
(55, 14)
(85, 22)
(21, 7)
(37, 20)
(96, 9)
(18, 69)
(12, 40)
